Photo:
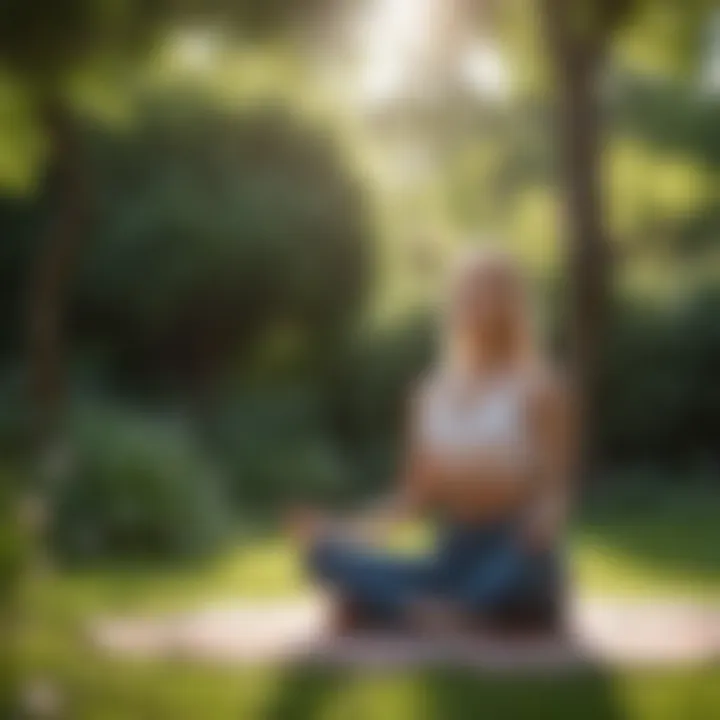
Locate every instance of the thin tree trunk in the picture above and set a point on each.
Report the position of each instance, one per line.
(576, 60)
(52, 273)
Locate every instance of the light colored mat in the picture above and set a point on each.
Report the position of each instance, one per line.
(603, 631)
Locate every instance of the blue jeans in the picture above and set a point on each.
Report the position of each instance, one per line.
(481, 569)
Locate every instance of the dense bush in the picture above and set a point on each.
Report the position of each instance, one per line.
(333, 439)
(136, 488)
(214, 226)
(13, 557)
(14, 414)
(12, 544)
(277, 448)
(373, 385)
(370, 396)
(661, 399)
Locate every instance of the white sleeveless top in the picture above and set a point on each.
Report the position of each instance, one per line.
(457, 420)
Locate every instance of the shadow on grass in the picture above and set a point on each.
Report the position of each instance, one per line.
(303, 693)
(460, 695)
(673, 534)
(441, 694)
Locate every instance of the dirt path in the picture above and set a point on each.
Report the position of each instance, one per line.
(603, 631)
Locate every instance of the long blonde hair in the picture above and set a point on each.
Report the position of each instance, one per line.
(479, 265)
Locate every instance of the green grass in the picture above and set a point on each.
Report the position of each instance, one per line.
(100, 690)
(672, 550)
(663, 552)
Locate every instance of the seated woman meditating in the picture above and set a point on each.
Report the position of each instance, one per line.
(488, 456)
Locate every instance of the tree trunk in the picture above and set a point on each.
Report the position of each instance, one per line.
(51, 275)
(576, 58)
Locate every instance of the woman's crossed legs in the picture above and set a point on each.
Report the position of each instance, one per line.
(473, 572)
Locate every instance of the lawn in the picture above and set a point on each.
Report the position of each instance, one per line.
(671, 549)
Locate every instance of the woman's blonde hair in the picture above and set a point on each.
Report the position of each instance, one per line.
(475, 265)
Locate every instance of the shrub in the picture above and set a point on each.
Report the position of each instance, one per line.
(13, 557)
(662, 403)
(136, 488)
(370, 399)
(14, 415)
(277, 449)
(13, 548)
(213, 226)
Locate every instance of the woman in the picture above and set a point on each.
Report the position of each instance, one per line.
(489, 455)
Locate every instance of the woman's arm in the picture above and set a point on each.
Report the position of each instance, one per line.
(553, 426)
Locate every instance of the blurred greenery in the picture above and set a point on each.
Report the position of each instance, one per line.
(257, 268)
(183, 691)
(232, 262)
(221, 238)
(135, 488)
(12, 558)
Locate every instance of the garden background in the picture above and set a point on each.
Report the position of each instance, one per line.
(224, 228)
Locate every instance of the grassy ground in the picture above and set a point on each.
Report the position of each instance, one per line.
(670, 550)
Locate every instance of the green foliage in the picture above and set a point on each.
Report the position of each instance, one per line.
(330, 441)
(663, 36)
(45, 41)
(231, 255)
(370, 393)
(12, 545)
(262, 19)
(14, 415)
(13, 557)
(663, 403)
(374, 383)
(48, 40)
(215, 226)
(664, 163)
(277, 448)
(136, 488)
